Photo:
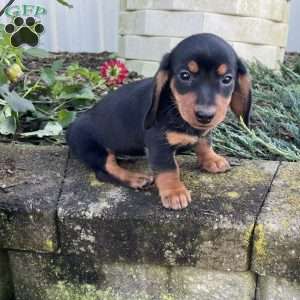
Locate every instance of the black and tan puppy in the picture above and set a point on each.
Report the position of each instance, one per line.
(188, 97)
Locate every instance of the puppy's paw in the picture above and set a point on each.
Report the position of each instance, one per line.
(178, 198)
(140, 181)
(215, 164)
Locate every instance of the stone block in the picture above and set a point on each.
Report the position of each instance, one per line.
(269, 9)
(277, 234)
(272, 288)
(232, 28)
(119, 224)
(53, 277)
(192, 283)
(6, 288)
(161, 23)
(246, 29)
(146, 68)
(270, 56)
(146, 48)
(31, 179)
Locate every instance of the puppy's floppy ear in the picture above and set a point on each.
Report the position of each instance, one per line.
(160, 80)
(241, 100)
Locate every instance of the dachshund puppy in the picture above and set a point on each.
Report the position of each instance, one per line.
(189, 96)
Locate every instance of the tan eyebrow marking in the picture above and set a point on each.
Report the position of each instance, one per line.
(193, 66)
(222, 69)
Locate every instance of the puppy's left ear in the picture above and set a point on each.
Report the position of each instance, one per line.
(160, 80)
(241, 100)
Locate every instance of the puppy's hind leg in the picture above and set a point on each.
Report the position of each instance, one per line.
(132, 179)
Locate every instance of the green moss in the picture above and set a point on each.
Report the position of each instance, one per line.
(67, 291)
(94, 182)
(260, 243)
(233, 195)
(49, 246)
(247, 235)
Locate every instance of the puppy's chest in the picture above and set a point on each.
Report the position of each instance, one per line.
(181, 139)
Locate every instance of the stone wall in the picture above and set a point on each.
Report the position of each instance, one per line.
(65, 235)
(257, 29)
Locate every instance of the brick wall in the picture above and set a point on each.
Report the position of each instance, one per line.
(257, 29)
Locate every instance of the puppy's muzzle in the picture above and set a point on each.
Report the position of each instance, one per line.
(205, 115)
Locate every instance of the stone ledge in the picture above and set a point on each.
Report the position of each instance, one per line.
(277, 233)
(118, 224)
(30, 183)
(52, 277)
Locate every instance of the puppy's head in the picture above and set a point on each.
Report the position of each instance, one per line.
(205, 77)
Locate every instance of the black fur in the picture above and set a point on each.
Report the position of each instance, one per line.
(135, 117)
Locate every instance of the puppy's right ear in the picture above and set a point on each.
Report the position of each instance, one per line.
(160, 80)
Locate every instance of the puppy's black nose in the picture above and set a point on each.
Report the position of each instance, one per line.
(204, 117)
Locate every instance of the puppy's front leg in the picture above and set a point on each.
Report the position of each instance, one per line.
(209, 160)
(171, 189)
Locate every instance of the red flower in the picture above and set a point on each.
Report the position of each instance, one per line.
(114, 72)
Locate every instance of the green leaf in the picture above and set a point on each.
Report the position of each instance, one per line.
(3, 77)
(77, 92)
(65, 117)
(65, 3)
(37, 52)
(15, 102)
(51, 129)
(48, 76)
(57, 65)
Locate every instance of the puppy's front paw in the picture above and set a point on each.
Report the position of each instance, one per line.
(178, 198)
(215, 164)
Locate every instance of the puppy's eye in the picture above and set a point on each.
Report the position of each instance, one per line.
(185, 75)
(227, 79)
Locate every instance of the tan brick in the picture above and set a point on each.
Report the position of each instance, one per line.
(146, 68)
(267, 55)
(146, 48)
(245, 29)
(269, 9)
(161, 23)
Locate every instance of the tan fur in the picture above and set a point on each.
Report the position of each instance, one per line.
(193, 66)
(239, 102)
(134, 180)
(176, 138)
(222, 69)
(186, 105)
(208, 160)
(172, 191)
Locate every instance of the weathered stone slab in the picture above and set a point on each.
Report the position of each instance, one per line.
(272, 288)
(6, 288)
(191, 283)
(52, 277)
(30, 183)
(119, 224)
(269, 9)
(277, 234)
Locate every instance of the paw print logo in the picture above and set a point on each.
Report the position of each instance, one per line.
(24, 33)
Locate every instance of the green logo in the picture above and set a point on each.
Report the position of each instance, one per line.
(26, 10)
